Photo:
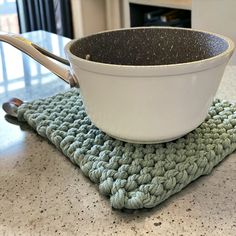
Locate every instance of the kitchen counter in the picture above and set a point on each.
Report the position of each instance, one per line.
(43, 193)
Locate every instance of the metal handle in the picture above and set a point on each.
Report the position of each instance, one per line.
(29, 48)
(51, 55)
(11, 106)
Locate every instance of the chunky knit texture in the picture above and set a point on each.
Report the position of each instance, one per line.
(132, 175)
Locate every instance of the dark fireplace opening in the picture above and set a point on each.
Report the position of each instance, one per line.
(145, 15)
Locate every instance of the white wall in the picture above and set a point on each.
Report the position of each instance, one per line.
(113, 14)
(76, 8)
(218, 16)
(89, 16)
(94, 16)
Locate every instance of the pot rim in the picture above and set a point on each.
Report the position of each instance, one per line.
(150, 70)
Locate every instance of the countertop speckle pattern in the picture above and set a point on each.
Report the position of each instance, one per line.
(43, 193)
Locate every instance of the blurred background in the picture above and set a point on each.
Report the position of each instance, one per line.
(78, 18)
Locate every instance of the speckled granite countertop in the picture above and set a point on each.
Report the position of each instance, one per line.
(42, 193)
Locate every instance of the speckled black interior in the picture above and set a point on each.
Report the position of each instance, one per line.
(149, 46)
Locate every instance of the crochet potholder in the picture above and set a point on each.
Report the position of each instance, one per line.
(132, 175)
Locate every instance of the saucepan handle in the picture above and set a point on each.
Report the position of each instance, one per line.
(38, 54)
(11, 106)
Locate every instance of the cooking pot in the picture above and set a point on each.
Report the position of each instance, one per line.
(143, 85)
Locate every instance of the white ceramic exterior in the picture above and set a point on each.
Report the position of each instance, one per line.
(149, 104)
(142, 104)
(148, 109)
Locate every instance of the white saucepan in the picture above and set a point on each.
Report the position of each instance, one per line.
(143, 85)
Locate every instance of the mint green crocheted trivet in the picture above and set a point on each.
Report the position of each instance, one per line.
(132, 175)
